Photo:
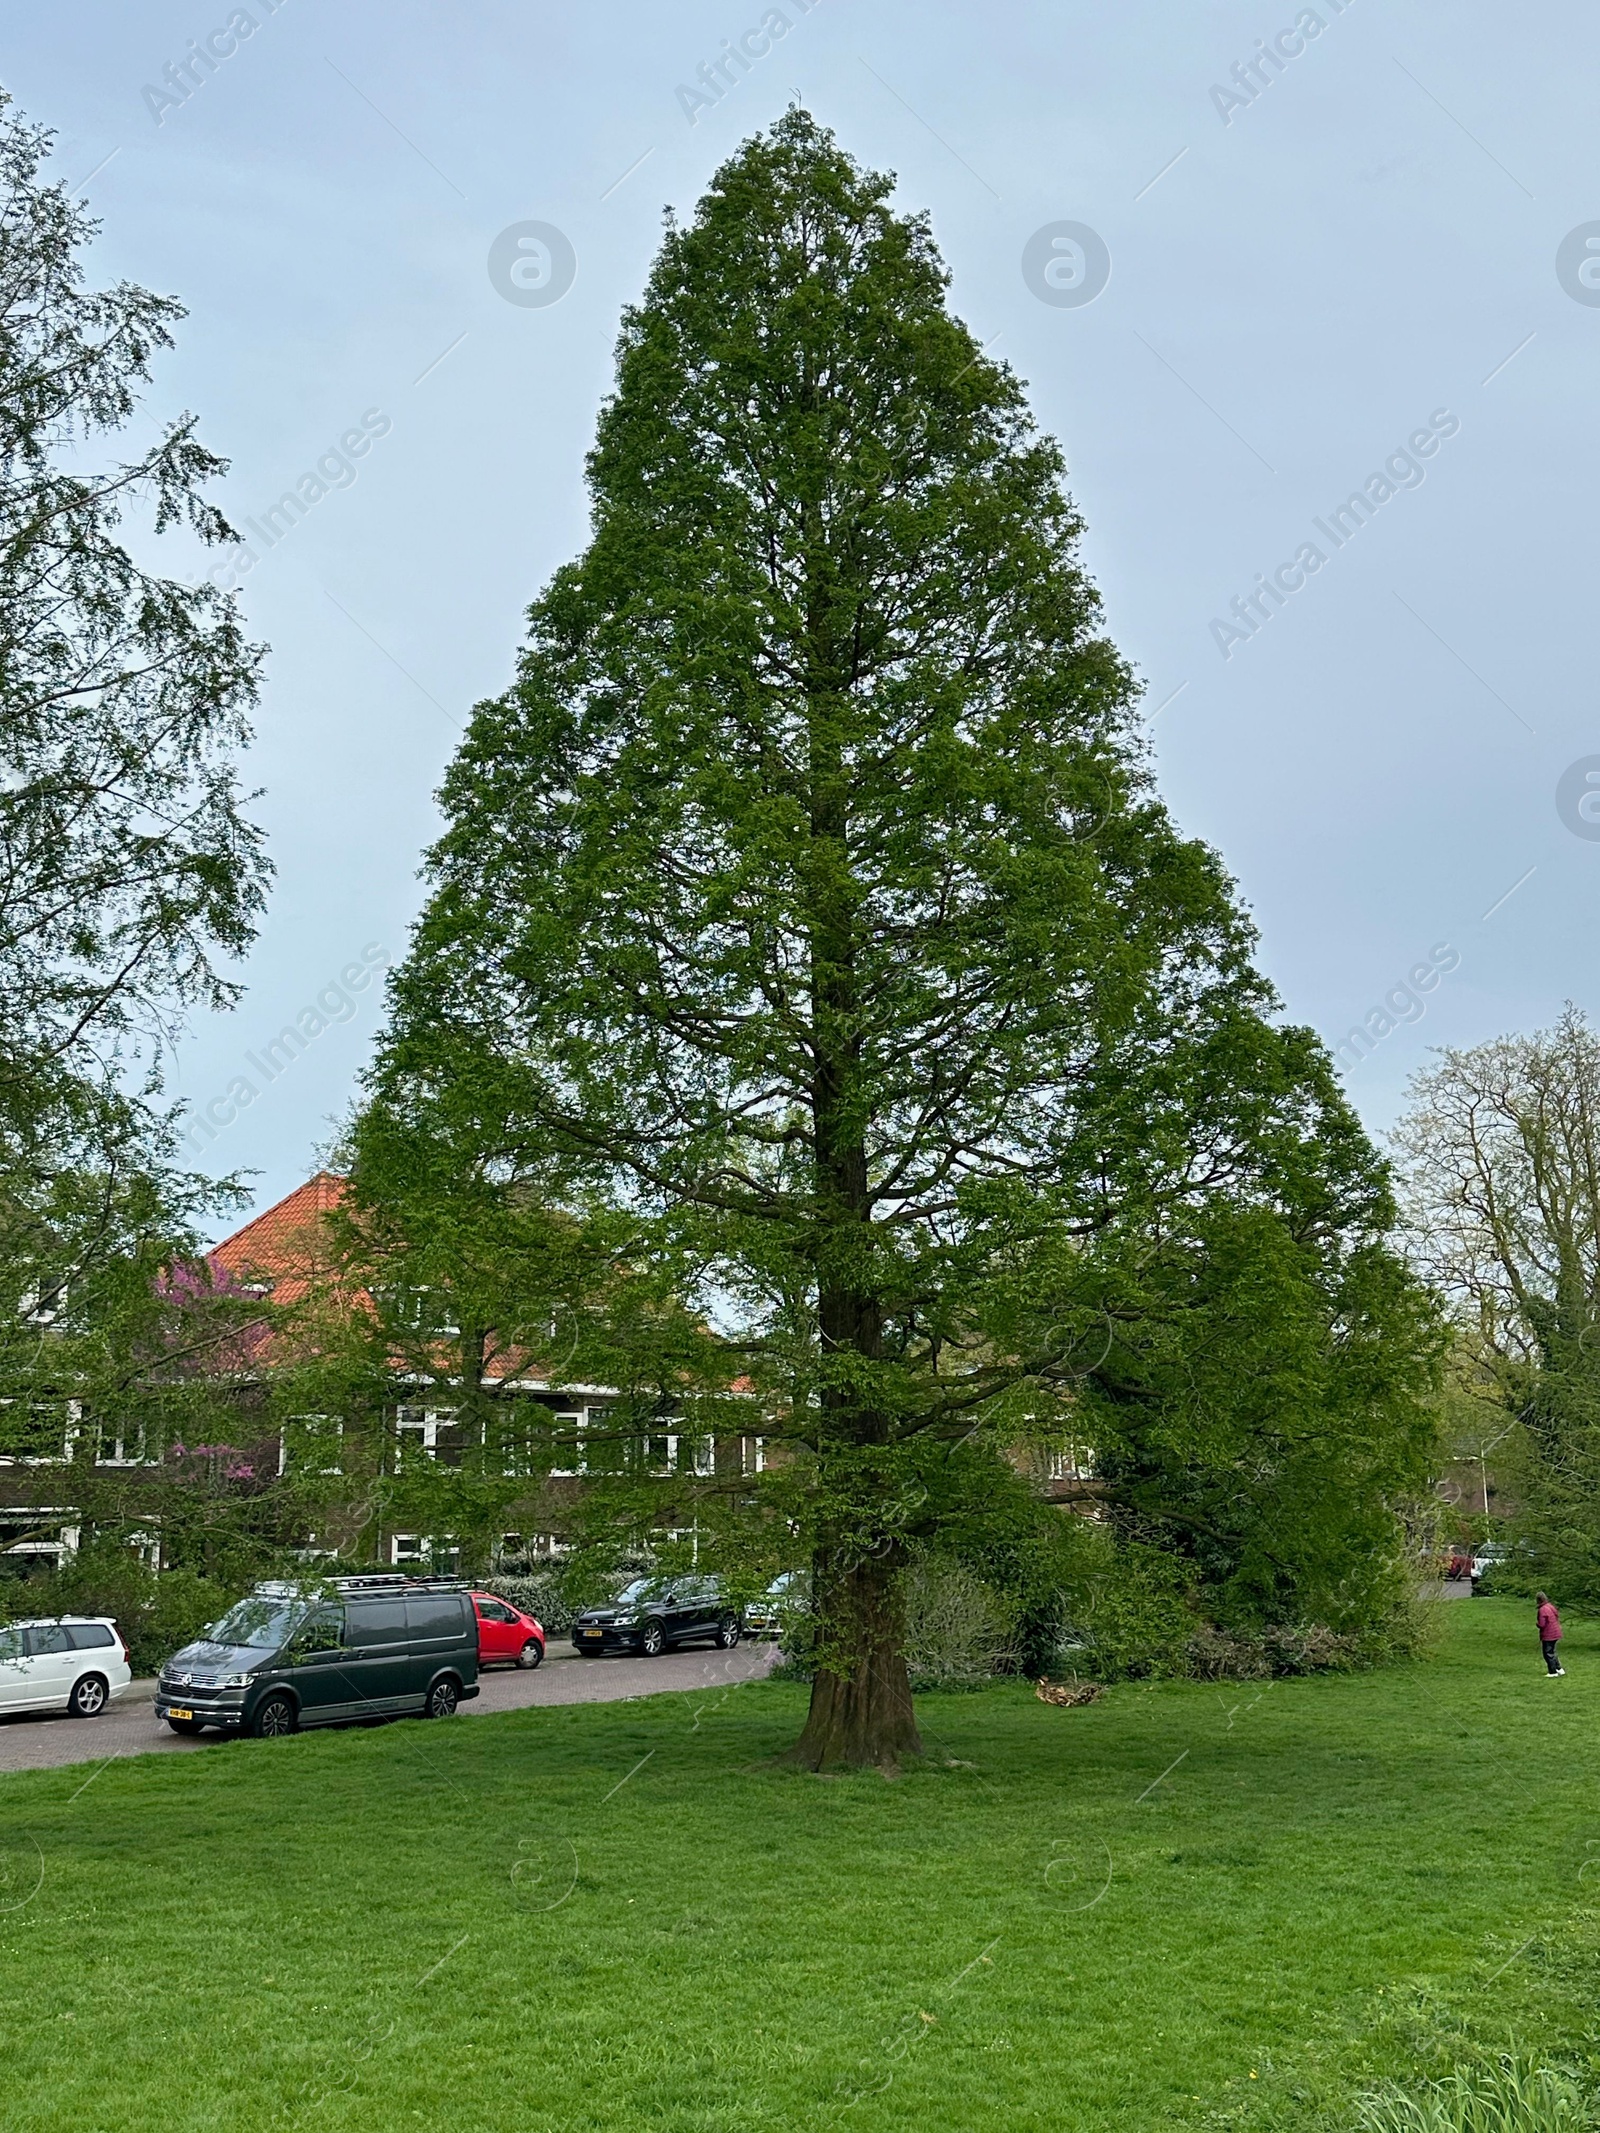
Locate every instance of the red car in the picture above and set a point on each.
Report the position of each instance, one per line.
(505, 1634)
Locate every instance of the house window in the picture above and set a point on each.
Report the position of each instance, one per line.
(122, 1444)
(39, 1536)
(426, 1433)
(312, 1444)
(437, 1553)
(37, 1432)
(1074, 1462)
(571, 1427)
(753, 1454)
(423, 1311)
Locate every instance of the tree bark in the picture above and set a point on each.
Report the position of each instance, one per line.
(862, 1718)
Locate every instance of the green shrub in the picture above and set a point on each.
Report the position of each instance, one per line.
(156, 1612)
(1126, 1615)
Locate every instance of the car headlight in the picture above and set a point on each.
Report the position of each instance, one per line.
(236, 1681)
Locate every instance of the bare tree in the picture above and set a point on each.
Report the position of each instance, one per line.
(1499, 1167)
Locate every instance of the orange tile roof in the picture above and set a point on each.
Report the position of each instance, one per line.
(283, 1245)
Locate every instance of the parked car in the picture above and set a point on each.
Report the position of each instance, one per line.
(1484, 1561)
(73, 1663)
(767, 1616)
(291, 1656)
(505, 1634)
(653, 1614)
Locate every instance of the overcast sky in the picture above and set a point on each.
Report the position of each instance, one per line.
(1308, 268)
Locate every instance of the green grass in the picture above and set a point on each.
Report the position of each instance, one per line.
(453, 1926)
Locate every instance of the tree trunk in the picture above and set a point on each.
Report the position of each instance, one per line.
(862, 1719)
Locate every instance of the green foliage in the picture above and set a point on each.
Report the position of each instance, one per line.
(1126, 1612)
(1515, 2094)
(1500, 1155)
(156, 1612)
(806, 918)
(1261, 1413)
(123, 695)
(130, 873)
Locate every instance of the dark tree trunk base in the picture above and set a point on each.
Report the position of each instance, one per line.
(862, 1720)
(851, 1726)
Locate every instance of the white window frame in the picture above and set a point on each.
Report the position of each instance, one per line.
(337, 1422)
(71, 1416)
(577, 1419)
(119, 1454)
(1073, 1462)
(425, 1429)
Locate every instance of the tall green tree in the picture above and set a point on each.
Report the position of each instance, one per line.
(129, 873)
(809, 895)
(126, 865)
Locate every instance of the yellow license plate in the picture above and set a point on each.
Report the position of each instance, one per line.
(594, 1635)
(175, 1711)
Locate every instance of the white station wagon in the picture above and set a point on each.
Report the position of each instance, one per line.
(75, 1663)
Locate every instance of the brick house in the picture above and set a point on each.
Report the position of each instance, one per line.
(282, 1253)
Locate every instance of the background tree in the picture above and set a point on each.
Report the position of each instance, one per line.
(125, 864)
(808, 897)
(471, 1287)
(127, 869)
(1500, 1164)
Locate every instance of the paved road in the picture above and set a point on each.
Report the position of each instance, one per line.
(131, 1727)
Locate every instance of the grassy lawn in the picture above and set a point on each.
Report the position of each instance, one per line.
(492, 1924)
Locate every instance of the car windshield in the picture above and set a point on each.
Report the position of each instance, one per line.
(640, 1589)
(262, 1624)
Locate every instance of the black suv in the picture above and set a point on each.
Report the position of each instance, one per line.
(653, 1614)
(351, 1648)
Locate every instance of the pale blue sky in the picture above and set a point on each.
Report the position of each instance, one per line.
(1295, 290)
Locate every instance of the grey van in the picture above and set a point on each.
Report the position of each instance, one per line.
(348, 1648)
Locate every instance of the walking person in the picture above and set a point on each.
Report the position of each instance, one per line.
(1549, 1632)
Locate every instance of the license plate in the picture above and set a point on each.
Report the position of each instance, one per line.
(177, 1711)
(594, 1636)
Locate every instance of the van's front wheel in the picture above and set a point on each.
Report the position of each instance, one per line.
(275, 1717)
(442, 1699)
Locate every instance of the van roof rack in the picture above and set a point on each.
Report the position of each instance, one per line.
(365, 1581)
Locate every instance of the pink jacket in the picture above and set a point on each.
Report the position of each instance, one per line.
(1549, 1624)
